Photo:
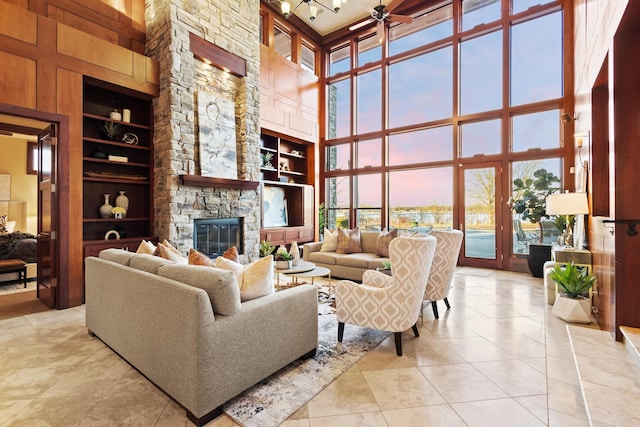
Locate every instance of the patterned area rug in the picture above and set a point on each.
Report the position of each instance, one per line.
(273, 400)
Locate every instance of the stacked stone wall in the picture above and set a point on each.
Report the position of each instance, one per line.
(234, 26)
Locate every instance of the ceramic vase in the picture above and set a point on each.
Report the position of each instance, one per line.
(105, 209)
(295, 252)
(123, 201)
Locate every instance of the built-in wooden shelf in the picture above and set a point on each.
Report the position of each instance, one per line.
(207, 181)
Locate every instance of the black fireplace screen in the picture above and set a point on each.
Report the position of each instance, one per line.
(213, 236)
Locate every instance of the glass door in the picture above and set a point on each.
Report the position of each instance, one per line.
(480, 220)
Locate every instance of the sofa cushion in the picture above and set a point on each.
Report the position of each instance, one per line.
(220, 285)
(323, 257)
(369, 241)
(330, 243)
(148, 263)
(116, 255)
(384, 238)
(360, 260)
(146, 247)
(349, 241)
(198, 258)
(255, 279)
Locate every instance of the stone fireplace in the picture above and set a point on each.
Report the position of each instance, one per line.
(233, 27)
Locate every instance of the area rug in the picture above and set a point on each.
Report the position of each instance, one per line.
(273, 400)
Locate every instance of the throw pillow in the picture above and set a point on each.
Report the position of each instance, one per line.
(232, 254)
(3, 224)
(330, 243)
(198, 258)
(349, 241)
(255, 279)
(169, 252)
(146, 247)
(384, 238)
(170, 247)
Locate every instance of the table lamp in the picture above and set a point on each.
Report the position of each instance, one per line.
(567, 204)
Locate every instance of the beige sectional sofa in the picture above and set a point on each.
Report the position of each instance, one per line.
(347, 266)
(185, 329)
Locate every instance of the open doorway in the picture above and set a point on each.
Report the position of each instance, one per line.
(19, 211)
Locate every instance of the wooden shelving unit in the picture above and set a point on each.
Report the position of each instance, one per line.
(291, 172)
(132, 172)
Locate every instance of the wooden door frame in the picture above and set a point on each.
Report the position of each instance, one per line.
(499, 232)
(62, 180)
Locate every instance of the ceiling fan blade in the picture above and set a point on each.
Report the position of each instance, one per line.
(394, 4)
(360, 24)
(400, 18)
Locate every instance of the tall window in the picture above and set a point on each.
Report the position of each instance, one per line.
(446, 92)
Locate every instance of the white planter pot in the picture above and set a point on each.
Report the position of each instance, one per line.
(572, 310)
(284, 265)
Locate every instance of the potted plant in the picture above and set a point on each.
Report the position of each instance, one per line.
(266, 248)
(529, 201)
(284, 260)
(573, 303)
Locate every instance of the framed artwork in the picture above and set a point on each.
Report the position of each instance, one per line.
(217, 136)
(5, 186)
(274, 207)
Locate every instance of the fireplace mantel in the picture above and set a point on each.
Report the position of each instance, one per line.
(207, 181)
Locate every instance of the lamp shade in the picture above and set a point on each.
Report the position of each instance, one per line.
(567, 204)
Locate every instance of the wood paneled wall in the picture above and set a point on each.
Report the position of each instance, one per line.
(43, 65)
(119, 21)
(607, 92)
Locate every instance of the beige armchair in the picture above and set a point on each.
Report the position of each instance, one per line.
(443, 267)
(389, 303)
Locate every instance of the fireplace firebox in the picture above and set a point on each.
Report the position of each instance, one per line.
(213, 236)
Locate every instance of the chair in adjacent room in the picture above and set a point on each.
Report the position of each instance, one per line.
(389, 303)
(443, 267)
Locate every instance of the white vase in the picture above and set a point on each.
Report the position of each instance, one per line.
(295, 252)
(123, 201)
(105, 209)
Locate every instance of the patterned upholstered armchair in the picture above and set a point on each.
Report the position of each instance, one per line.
(389, 303)
(443, 267)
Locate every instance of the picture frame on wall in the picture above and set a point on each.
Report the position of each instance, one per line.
(274, 207)
(217, 136)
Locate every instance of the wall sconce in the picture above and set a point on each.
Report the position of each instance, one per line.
(581, 138)
(567, 118)
(632, 231)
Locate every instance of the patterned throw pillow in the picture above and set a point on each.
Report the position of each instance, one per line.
(167, 251)
(3, 224)
(198, 258)
(330, 243)
(232, 254)
(255, 279)
(349, 241)
(146, 247)
(384, 238)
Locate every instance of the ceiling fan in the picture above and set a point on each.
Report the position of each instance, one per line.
(380, 13)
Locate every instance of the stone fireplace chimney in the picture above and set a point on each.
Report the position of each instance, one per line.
(233, 26)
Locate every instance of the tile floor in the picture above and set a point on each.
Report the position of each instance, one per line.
(497, 358)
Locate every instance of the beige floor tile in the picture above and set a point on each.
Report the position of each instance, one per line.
(29, 383)
(565, 398)
(537, 405)
(558, 419)
(57, 411)
(537, 363)
(562, 370)
(461, 383)
(496, 413)
(477, 349)
(296, 423)
(602, 398)
(384, 356)
(518, 345)
(401, 388)
(489, 327)
(438, 415)
(9, 409)
(523, 325)
(348, 394)
(432, 352)
(514, 377)
(369, 419)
